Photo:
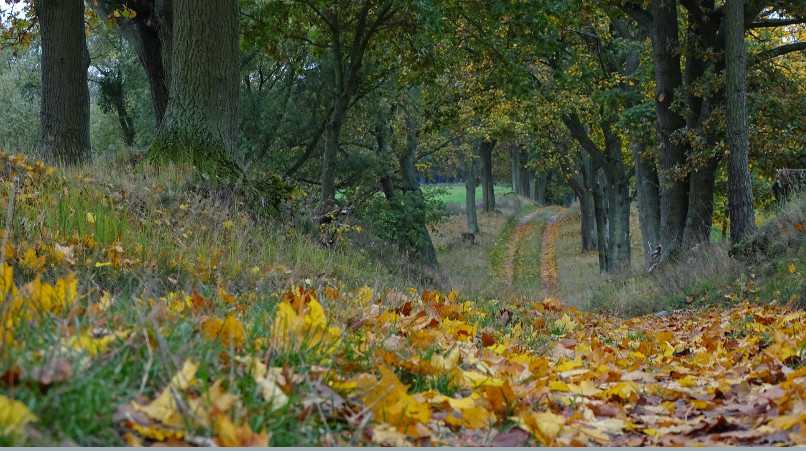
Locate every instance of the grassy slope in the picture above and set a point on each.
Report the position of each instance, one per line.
(123, 277)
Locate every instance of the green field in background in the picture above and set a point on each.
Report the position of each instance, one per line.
(456, 193)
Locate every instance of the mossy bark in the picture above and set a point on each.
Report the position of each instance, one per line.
(201, 122)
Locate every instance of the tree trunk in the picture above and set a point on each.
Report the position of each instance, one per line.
(618, 225)
(65, 113)
(668, 78)
(126, 123)
(423, 246)
(144, 35)
(515, 158)
(524, 177)
(541, 182)
(487, 185)
(740, 188)
(646, 184)
(470, 168)
(600, 213)
(532, 185)
(588, 222)
(700, 215)
(409, 205)
(201, 121)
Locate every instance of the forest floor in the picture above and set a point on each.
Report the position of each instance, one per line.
(137, 311)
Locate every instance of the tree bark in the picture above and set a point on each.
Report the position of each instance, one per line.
(487, 185)
(668, 78)
(618, 225)
(646, 184)
(407, 201)
(65, 112)
(588, 222)
(201, 121)
(470, 165)
(700, 215)
(524, 177)
(515, 159)
(541, 183)
(740, 188)
(600, 213)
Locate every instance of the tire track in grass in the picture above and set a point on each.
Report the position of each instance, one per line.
(521, 230)
(548, 255)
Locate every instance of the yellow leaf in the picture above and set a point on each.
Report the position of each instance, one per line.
(446, 363)
(227, 225)
(153, 433)
(559, 386)
(90, 218)
(654, 433)
(565, 323)
(184, 377)
(7, 288)
(14, 415)
(269, 387)
(472, 418)
(568, 365)
(101, 265)
(688, 381)
(391, 403)
(162, 409)
(31, 262)
(791, 268)
(545, 426)
(585, 388)
(363, 295)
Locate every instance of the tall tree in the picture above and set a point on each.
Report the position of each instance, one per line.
(740, 188)
(201, 121)
(487, 185)
(147, 25)
(65, 113)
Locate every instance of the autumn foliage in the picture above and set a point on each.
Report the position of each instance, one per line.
(389, 367)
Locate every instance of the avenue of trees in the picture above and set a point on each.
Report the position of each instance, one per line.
(683, 107)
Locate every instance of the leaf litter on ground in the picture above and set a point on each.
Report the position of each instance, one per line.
(356, 367)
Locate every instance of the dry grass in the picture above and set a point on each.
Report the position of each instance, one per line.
(465, 266)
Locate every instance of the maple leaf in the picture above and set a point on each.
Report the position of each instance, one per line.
(545, 426)
(14, 415)
(230, 435)
(390, 402)
(31, 262)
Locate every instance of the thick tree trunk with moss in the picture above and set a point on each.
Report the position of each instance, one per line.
(423, 247)
(487, 186)
(201, 122)
(65, 113)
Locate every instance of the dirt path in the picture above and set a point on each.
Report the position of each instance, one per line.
(521, 230)
(548, 257)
